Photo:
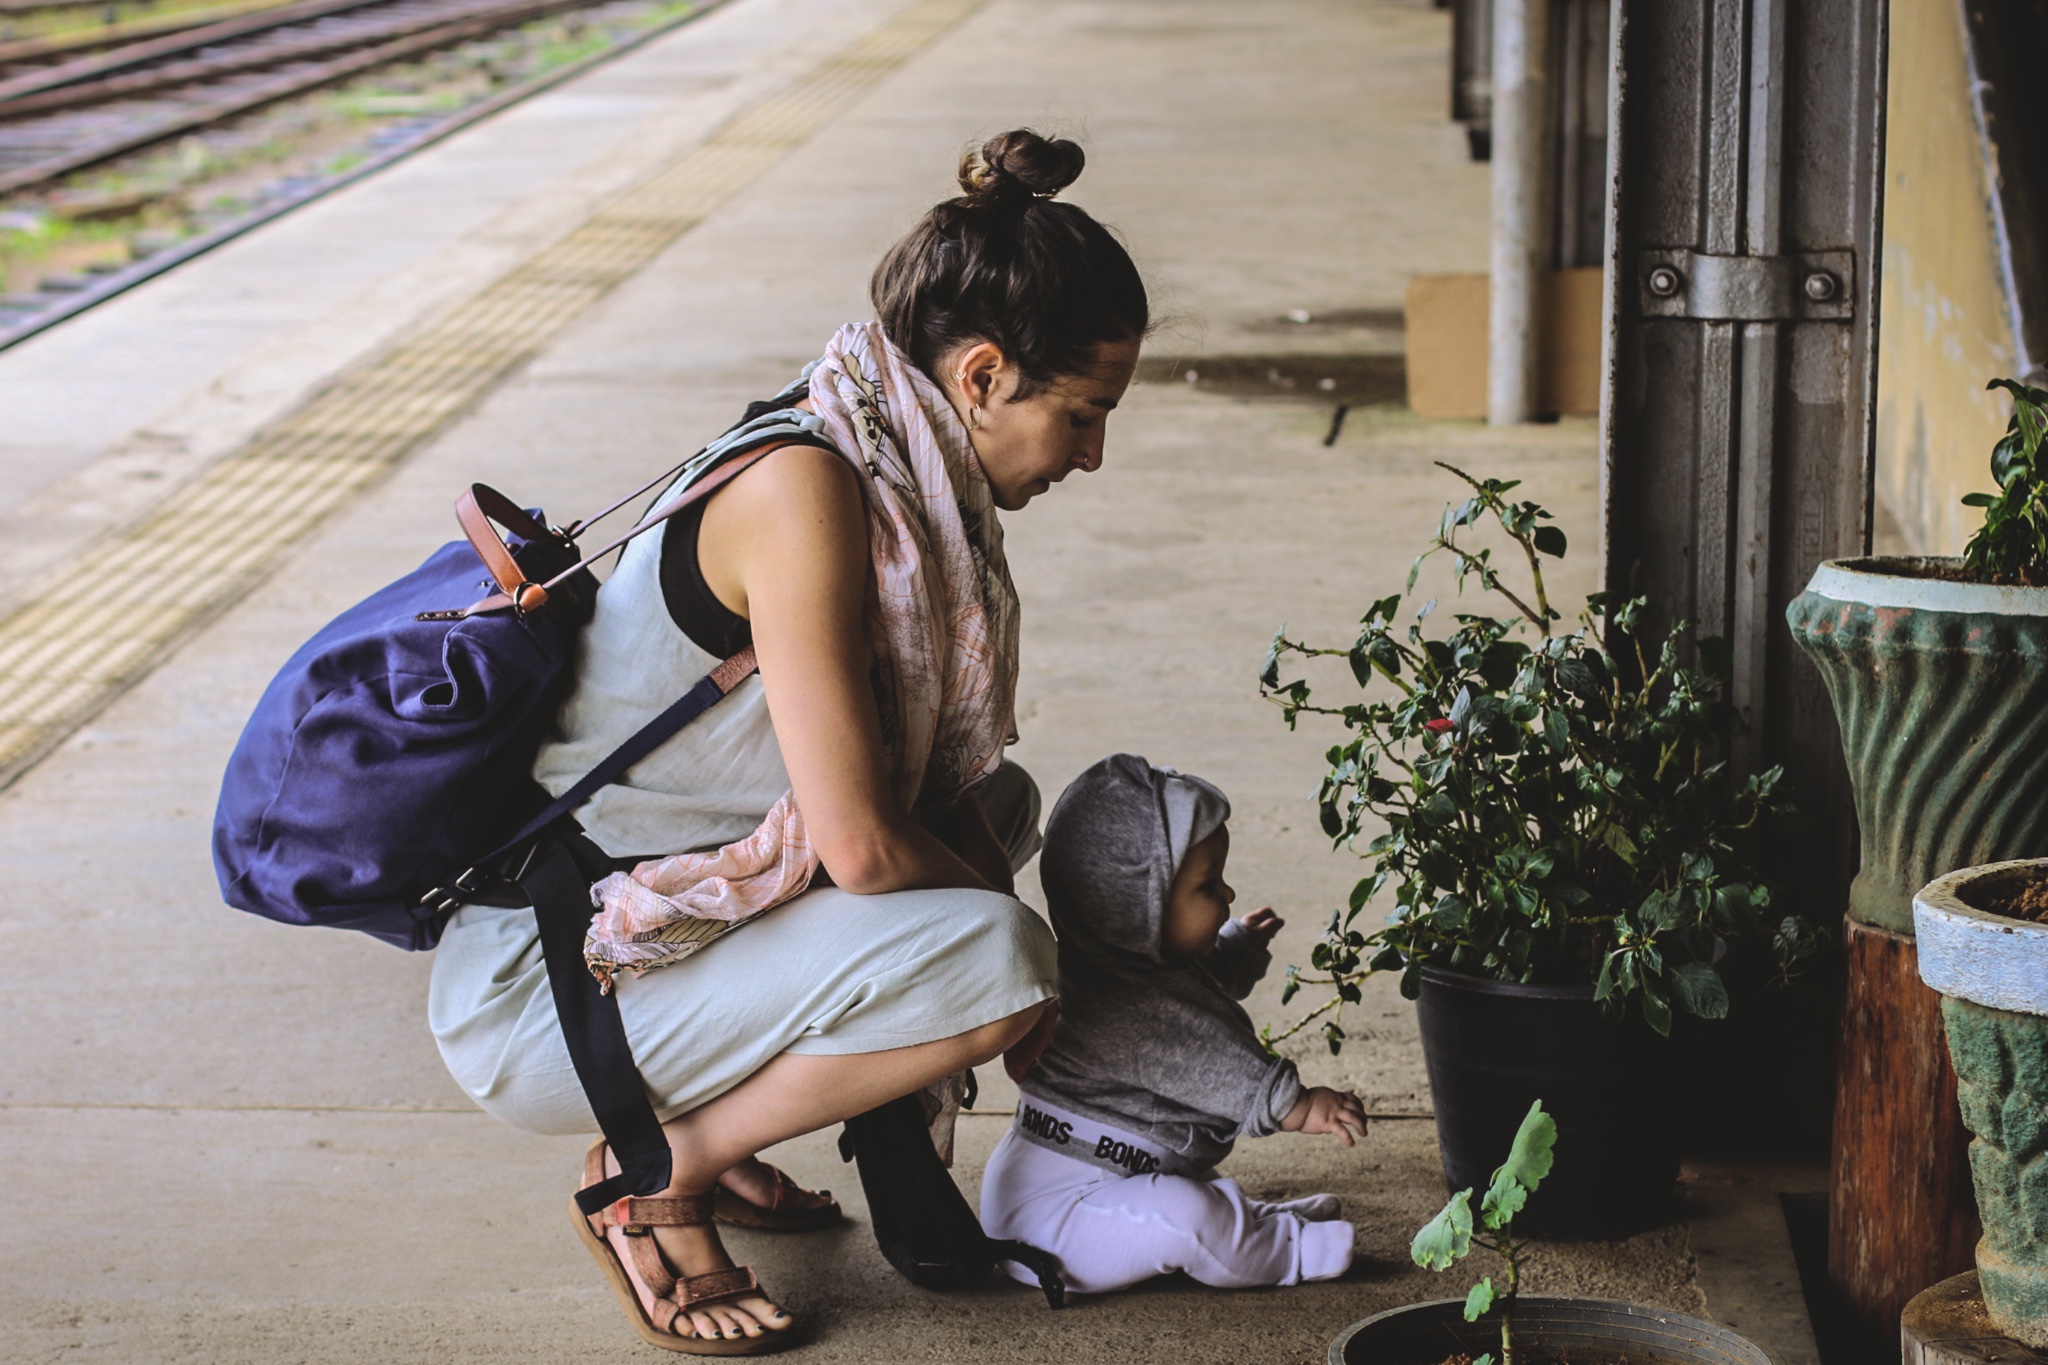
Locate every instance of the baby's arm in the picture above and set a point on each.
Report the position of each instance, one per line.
(1323, 1110)
(1241, 956)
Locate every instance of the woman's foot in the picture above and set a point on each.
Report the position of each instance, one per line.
(697, 1250)
(777, 1198)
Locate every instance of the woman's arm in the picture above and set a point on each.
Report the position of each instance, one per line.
(785, 546)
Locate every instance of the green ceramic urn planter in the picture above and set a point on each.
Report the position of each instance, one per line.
(1992, 972)
(1941, 691)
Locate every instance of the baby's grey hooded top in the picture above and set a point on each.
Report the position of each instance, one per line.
(1158, 1048)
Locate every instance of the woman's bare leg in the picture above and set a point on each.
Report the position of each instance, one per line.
(792, 1095)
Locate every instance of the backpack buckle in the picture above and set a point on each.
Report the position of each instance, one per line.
(446, 900)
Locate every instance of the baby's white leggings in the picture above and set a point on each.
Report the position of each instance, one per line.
(1110, 1231)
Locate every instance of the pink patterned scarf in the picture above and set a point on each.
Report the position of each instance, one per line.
(943, 619)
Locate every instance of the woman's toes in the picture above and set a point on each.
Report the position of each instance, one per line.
(702, 1324)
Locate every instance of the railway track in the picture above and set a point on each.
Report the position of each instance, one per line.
(65, 114)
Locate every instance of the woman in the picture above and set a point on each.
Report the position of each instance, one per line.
(867, 572)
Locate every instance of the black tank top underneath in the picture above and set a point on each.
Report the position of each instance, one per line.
(711, 625)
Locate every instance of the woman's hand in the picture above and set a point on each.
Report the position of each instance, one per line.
(1323, 1110)
(785, 545)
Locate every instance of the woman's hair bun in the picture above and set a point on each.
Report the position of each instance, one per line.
(1008, 264)
(1020, 162)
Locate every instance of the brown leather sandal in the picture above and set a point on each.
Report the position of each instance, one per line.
(621, 1238)
(740, 1212)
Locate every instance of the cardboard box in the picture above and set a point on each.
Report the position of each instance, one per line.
(1447, 324)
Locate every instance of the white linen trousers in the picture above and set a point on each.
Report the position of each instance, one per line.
(1111, 1229)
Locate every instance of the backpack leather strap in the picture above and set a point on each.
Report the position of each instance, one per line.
(476, 510)
(482, 505)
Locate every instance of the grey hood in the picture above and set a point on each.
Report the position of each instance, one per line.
(1157, 1047)
(1118, 835)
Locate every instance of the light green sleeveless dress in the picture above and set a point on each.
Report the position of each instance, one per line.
(826, 973)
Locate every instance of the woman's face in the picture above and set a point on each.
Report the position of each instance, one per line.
(1027, 445)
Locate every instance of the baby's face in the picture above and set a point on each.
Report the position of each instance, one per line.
(1198, 904)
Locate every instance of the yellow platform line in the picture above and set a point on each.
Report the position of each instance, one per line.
(81, 638)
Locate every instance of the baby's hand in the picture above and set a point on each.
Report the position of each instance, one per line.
(1323, 1110)
(1262, 924)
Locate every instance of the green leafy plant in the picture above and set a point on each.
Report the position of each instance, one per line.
(1553, 811)
(1451, 1235)
(2011, 547)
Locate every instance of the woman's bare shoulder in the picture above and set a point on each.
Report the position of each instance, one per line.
(795, 516)
(800, 479)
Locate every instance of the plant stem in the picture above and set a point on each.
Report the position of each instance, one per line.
(1509, 1252)
(1334, 1002)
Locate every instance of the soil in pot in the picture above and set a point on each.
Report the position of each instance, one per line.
(1493, 1047)
(2015, 900)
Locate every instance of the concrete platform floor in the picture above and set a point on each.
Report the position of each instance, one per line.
(225, 1141)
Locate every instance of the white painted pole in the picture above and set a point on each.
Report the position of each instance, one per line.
(1521, 220)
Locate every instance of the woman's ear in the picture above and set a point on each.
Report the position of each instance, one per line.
(978, 372)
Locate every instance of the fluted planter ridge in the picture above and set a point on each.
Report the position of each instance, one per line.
(1941, 691)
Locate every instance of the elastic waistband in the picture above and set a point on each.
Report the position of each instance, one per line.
(1097, 1144)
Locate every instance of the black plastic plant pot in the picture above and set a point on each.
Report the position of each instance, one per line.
(1494, 1047)
(1547, 1331)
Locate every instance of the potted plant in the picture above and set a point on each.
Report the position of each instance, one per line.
(1938, 671)
(1567, 853)
(1983, 936)
(1531, 1331)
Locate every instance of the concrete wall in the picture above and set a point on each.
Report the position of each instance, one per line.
(1946, 321)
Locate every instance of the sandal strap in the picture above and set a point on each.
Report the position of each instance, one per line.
(653, 1211)
(660, 1211)
(648, 1263)
(783, 1186)
(717, 1286)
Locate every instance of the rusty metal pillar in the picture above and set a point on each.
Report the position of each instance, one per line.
(1738, 413)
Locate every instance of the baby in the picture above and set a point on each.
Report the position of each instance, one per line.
(1154, 1069)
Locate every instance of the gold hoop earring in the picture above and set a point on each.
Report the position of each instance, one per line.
(974, 419)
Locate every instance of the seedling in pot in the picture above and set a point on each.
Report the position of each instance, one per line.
(1450, 1236)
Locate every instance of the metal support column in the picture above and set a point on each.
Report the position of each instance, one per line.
(1522, 144)
(1738, 412)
